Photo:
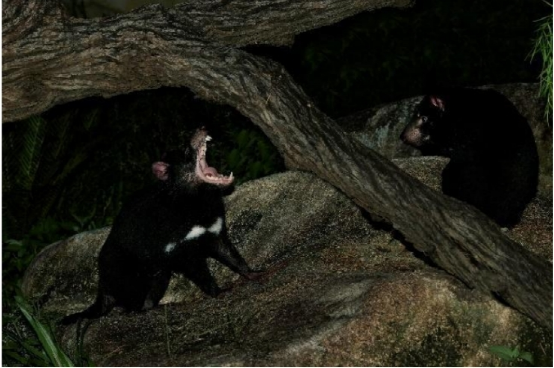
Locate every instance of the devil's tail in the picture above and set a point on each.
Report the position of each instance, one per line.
(101, 306)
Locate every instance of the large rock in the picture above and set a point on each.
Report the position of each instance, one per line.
(338, 291)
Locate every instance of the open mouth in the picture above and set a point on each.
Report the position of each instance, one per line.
(203, 171)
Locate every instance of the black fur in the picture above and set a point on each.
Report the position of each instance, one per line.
(493, 156)
(134, 264)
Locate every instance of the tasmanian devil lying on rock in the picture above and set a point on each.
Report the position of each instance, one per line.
(173, 227)
(493, 157)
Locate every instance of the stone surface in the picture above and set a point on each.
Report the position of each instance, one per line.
(338, 290)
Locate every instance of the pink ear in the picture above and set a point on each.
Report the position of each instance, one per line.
(437, 102)
(160, 170)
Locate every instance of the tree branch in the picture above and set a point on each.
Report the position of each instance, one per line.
(456, 236)
(245, 22)
(49, 59)
(75, 59)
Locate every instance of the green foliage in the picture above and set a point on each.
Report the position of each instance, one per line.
(36, 347)
(390, 54)
(39, 159)
(28, 144)
(543, 50)
(252, 157)
(511, 355)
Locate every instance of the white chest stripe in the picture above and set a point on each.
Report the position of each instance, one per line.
(198, 230)
(216, 227)
(169, 247)
(195, 232)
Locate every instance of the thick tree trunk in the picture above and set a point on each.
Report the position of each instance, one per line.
(49, 59)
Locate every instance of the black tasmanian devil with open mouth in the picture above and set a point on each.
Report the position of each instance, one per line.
(173, 227)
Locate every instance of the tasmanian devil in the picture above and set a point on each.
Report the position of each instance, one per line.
(493, 157)
(173, 227)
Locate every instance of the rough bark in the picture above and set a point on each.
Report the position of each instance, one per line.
(50, 59)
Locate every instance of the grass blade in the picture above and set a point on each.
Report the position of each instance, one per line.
(57, 357)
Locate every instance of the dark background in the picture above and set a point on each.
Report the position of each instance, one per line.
(70, 169)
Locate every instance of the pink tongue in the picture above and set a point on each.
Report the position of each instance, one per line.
(210, 171)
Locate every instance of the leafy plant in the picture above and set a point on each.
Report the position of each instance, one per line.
(35, 169)
(40, 349)
(28, 146)
(390, 54)
(252, 156)
(543, 49)
(511, 355)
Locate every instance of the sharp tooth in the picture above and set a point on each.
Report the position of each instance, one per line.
(208, 138)
(231, 176)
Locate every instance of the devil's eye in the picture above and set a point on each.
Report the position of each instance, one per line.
(424, 119)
